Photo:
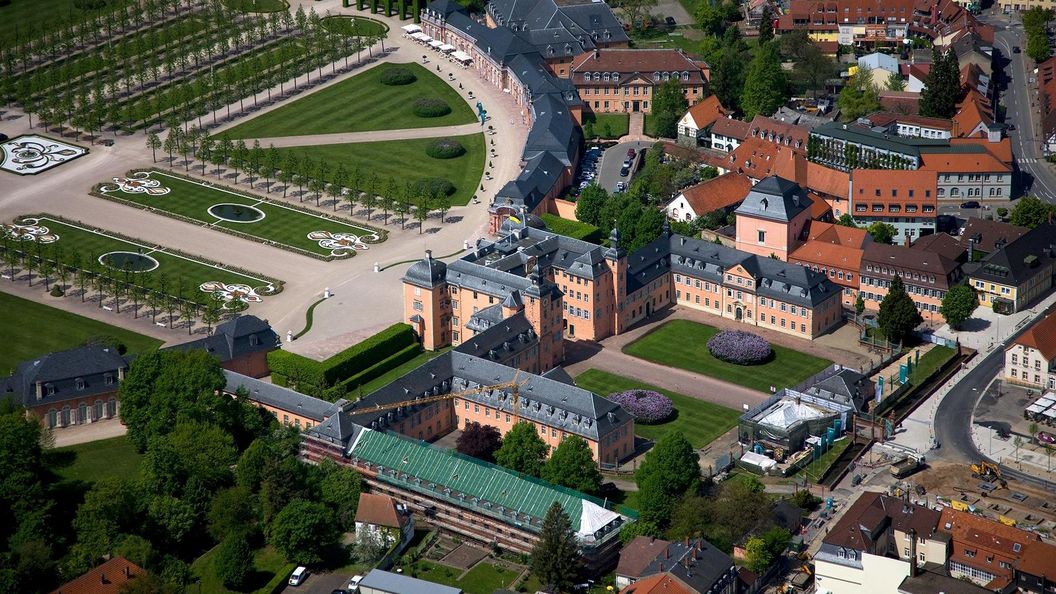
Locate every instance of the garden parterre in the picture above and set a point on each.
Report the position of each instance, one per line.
(246, 215)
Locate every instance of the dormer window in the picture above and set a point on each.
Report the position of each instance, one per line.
(254, 340)
(49, 389)
(108, 379)
(80, 383)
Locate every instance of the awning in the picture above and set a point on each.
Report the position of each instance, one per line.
(447, 48)
(420, 36)
(411, 28)
(435, 44)
(461, 56)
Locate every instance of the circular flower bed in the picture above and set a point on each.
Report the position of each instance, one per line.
(445, 148)
(397, 76)
(645, 406)
(430, 107)
(739, 347)
(433, 186)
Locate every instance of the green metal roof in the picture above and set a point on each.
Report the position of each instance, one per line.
(498, 491)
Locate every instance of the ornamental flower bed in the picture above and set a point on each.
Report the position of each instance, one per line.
(739, 347)
(645, 406)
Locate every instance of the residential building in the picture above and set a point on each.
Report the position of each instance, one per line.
(378, 581)
(67, 388)
(108, 578)
(779, 132)
(772, 217)
(241, 344)
(835, 251)
(997, 556)
(853, 146)
(877, 543)
(908, 201)
(969, 175)
(912, 126)
(380, 518)
(694, 565)
(694, 129)
(926, 274)
(728, 133)
(1016, 274)
(289, 407)
(625, 80)
(825, 184)
(719, 193)
(932, 582)
(661, 583)
(1031, 358)
(980, 237)
(1046, 78)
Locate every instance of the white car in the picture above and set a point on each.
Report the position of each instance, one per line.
(298, 576)
(353, 584)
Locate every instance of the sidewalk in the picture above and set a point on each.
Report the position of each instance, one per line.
(370, 136)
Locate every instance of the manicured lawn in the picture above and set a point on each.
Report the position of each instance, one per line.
(96, 460)
(484, 578)
(32, 329)
(574, 229)
(89, 245)
(280, 224)
(929, 363)
(405, 161)
(359, 104)
(699, 421)
(399, 371)
(355, 26)
(683, 344)
(270, 566)
(608, 125)
(816, 469)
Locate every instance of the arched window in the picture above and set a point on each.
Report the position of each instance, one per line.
(82, 413)
(111, 408)
(65, 416)
(97, 410)
(53, 418)
(685, 76)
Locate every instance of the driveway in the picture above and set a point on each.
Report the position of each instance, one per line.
(611, 162)
(319, 583)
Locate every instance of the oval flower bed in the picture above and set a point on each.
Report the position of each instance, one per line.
(740, 347)
(645, 406)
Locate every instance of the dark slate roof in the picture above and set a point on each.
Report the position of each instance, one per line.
(558, 374)
(989, 235)
(709, 261)
(338, 428)
(699, 565)
(540, 173)
(502, 339)
(553, 131)
(582, 26)
(279, 397)
(1021, 259)
(234, 338)
(843, 385)
(776, 199)
(485, 318)
(574, 256)
(542, 400)
(427, 272)
(93, 365)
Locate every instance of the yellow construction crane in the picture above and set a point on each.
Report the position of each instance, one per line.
(513, 386)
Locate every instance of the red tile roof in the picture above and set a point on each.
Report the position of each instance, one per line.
(1041, 336)
(779, 132)
(832, 246)
(104, 579)
(974, 110)
(627, 62)
(379, 510)
(756, 158)
(886, 118)
(638, 554)
(661, 583)
(731, 128)
(1001, 149)
(963, 163)
(813, 176)
(852, 237)
(900, 101)
(720, 192)
(706, 111)
(986, 539)
(881, 186)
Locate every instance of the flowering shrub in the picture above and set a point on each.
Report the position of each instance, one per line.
(742, 348)
(645, 406)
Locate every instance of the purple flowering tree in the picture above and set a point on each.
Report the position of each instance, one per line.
(645, 406)
(740, 347)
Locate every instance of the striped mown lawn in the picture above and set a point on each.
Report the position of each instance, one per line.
(271, 221)
(684, 344)
(360, 104)
(699, 421)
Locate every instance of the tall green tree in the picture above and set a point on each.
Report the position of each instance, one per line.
(958, 304)
(669, 105)
(727, 77)
(673, 459)
(812, 66)
(590, 204)
(859, 96)
(234, 561)
(1031, 211)
(303, 531)
(555, 557)
(882, 232)
(764, 84)
(942, 86)
(572, 465)
(898, 315)
(523, 450)
(766, 25)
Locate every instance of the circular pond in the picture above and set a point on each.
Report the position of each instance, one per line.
(130, 261)
(236, 213)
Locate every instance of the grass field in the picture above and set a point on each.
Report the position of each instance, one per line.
(96, 460)
(608, 125)
(355, 26)
(91, 244)
(929, 363)
(699, 421)
(269, 565)
(359, 104)
(484, 578)
(281, 224)
(683, 344)
(405, 161)
(574, 229)
(399, 371)
(32, 329)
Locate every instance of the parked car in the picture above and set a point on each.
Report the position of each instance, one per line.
(621, 186)
(630, 153)
(626, 163)
(1016, 50)
(353, 584)
(625, 171)
(1011, 126)
(670, 21)
(1044, 437)
(970, 204)
(298, 576)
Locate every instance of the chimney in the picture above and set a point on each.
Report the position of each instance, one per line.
(127, 572)
(120, 374)
(661, 567)
(596, 53)
(102, 579)
(429, 255)
(40, 390)
(912, 553)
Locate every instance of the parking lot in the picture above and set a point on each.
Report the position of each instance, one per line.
(319, 583)
(609, 171)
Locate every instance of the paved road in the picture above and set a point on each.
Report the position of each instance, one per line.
(611, 162)
(370, 136)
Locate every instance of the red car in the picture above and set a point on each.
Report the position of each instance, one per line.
(630, 153)
(1046, 437)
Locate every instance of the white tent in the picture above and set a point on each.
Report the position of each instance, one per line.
(435, 44)
(447, 48)
(593, 517)
(419, 36)
(411, 28)
(758, 460)
(462, 56)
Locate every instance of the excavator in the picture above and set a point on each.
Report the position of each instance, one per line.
(989, 472)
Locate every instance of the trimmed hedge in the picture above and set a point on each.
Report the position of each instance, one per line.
(445, 148)
(377, 370)
(433, 186)
(397, 76)
(574, 229)
(431, 107)
(315, 377)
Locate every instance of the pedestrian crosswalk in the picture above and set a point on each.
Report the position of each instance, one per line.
(1027, 160)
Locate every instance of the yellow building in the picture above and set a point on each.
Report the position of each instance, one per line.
(1011, 277)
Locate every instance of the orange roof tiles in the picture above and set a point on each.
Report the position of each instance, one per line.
(379, 510)
(910, 187)
(661, 583)
(813, 176)
(963, 163)
(985, 539)
(720, 192)
(974, 110)
(731, 128)
(1041, 336)
(1001, 149)
(104, 579)
(638, 554)
(832, 246)
(819, 208)
(779, 132)
(706, 111)
(900, 101)
(756, 158)
(838, 234)
(644, 62)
